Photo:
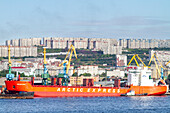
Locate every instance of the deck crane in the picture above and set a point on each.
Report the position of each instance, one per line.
(155, 58)
(134, 57)
(66, 64)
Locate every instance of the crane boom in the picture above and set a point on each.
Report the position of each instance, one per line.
(154, 57)
(134, 57)
(72, 49)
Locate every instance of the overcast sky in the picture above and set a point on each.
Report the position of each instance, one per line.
(84, 18)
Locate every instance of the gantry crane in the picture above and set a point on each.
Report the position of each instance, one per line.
(66, 63)
(155, 58)
(134, 57)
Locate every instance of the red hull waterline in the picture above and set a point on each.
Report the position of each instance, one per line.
(82, 91)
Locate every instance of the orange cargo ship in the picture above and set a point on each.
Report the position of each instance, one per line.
(81, 91)
(139, 83)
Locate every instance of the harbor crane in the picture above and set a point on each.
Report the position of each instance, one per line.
(155, 58)
(45, 75)
(9, 76)
(66, 64)
(134, 57)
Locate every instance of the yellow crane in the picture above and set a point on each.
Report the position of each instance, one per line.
(71, 50)
(66, 63)
(134, 57)
(155, 58)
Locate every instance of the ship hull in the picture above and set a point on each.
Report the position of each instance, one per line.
(81, 91)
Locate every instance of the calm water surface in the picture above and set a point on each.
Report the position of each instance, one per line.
(87, 105)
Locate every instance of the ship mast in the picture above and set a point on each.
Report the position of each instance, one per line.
(9, 76)
(45, 75)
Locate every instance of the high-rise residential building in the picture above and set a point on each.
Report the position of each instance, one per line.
(8, 42)
(80, 43)
(23, 42)
(123, 43)
(45, 40)
(115, 50)
(4, 51)
(161, 55)
(164, 43)
(108, 46)
(16, 51)
(139, 43)
(36, 41)
(15, 42)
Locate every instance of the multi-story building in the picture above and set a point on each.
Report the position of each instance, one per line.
(123, 43)
(164, 43)
(4, 51)
(142, 43)
(8, 42)
(108, 46)
(121, 60)
(45, 41)
(162, 55)
(15, 42)
(17, 51)
(139, 43)
(36, 41)
(92, 69)
(80, 43)
(24, 42)
(115, 73)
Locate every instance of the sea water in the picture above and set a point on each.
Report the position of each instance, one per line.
(141, 104)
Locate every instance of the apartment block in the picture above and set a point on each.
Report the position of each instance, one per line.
(164, 43)
(162, 55)
(45, 40)
(8, 42)
(123, 43)
(4, 51)
(103, 44)
(139, 43)
(15, 42)
(17, 51)
(36, 41)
